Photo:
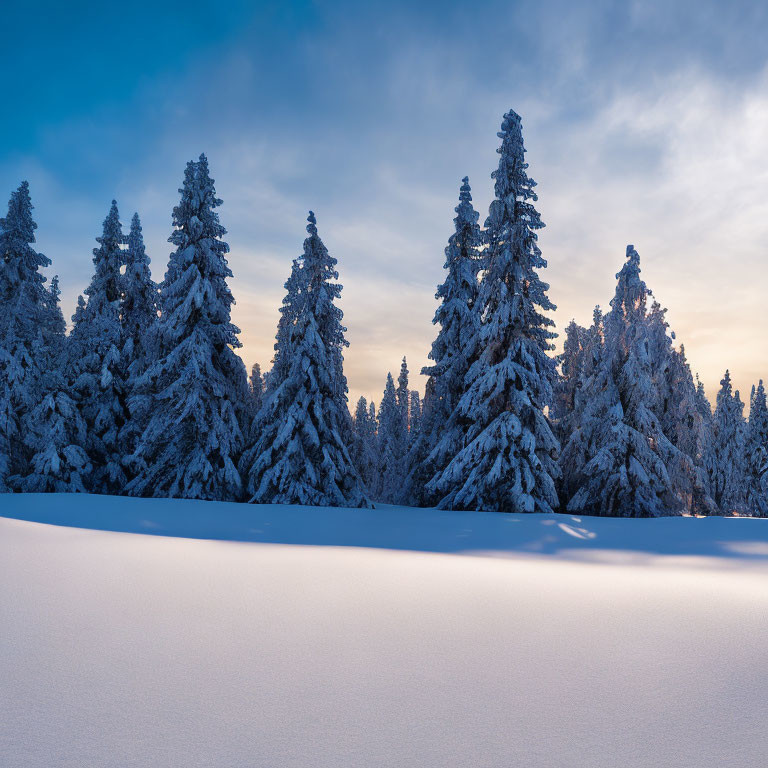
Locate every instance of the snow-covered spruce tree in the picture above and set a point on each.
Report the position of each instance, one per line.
(98, 374)
(726, 459)
(198, 384)
(402, 393)
(302, 452)
(23, 299)
(509, 459)
(414, 417)
(256, 385)
(140, 303)
(686, 426)
(757, 452)
(56, 432)
(675, 406)
(564, 403)
(364, 447)
(277, 375)
(705, 410)
(453, 350)
(75, 346)
(572, 398)
(389, 486)
(373, 482)
(54, 327)
(139, 312)
(288, 316)
(626, 474)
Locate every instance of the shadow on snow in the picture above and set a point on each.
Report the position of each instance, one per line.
(403, 528)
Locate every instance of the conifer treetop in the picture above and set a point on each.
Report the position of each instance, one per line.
(197, 384)
(200, 297)
(508, 462)
(22, 290)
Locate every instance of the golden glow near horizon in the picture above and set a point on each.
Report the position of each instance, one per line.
(696, 208)
(680, 169)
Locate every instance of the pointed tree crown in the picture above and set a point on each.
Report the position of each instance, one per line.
(108, 259)
(194, 295)
(512, 293)
(22, 291)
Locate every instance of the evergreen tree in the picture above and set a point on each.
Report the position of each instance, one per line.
(686, 425)
(402, 394)
(390, 442)
(302, 452)
(139, 313)
(675, 405)
(705, 411)
(257, 387)
(54, 328)
(509, 458)
(414, 417)
(453, 351)
(364, 448)
(139, 307)
(99, 377)
(579, 363)
(23, 300)
(627, 450)
(725, 461)
(56, 432)
(198, 384)
(289, 312)
(75, 346)
(570, 381)
(757, 452)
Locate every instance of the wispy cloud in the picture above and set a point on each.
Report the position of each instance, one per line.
(644, 123)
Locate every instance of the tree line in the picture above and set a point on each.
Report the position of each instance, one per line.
(146, 395)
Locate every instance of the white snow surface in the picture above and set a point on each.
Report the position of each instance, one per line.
(579, 642)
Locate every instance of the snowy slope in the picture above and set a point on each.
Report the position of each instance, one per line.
(392, 527)
(131, 650)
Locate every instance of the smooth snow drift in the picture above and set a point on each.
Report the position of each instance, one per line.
(133, 651)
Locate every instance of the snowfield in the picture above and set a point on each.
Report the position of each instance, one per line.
(575, 642)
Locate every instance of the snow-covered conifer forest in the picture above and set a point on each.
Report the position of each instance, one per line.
(145, 395)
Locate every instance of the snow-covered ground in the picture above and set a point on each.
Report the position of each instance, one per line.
(582, 642)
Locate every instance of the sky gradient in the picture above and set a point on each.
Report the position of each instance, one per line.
(645, 123)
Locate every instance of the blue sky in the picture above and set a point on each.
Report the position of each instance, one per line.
(645, 123)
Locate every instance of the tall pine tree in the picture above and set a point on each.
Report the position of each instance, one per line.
(453, 351)
(139, 313)
(757, 452)
(402, 394)
(302, 453)
(578, 363)
(99, 377)
(570, 381)
(139, 308)
(725, 461)
(389, 486)
(687, 427)
(256, 385)
(414, 417)
(627, 451)
(364, 447)
(289, 312)
(198, 384)
(56, 433)
(23, 299)
(509, 459)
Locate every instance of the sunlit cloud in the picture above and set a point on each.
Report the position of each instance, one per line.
(643, 124)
